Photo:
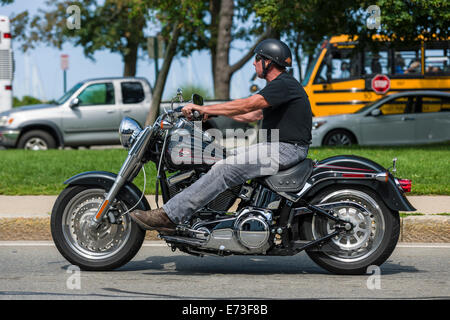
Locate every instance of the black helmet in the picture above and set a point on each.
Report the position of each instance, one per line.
(275, 50)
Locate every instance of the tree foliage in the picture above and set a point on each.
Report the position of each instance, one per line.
(115, 25)
(305, 24)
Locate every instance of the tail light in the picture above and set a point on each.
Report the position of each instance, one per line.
(405, 184)
(7, 35)
(8, 87)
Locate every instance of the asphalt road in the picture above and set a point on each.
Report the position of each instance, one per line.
(38, 271)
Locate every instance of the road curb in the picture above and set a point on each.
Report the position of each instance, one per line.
(428, 228)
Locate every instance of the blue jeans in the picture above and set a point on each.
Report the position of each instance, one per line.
(245, 163)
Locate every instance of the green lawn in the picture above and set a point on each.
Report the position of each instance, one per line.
(43, 172)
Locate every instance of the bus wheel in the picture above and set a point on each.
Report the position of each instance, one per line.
(339, 138)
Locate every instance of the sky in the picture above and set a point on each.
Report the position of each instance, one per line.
(38, 72)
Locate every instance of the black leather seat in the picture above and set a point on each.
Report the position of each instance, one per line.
(292, 179)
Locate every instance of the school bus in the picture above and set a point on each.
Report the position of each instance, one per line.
(342, 79)
(6, 65)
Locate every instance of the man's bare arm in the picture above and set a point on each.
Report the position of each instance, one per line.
(249, 117)
(237, 107)
(231, 108)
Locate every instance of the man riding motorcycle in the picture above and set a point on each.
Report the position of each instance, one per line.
(282, 104)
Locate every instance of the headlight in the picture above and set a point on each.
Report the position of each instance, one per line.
(5, 121)
(317, 124)
(128, 131)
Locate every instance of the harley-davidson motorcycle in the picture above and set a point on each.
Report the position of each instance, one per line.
(343, 210)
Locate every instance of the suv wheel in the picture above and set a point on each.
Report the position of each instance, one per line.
(36, 140)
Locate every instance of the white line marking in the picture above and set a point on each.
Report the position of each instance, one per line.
(163, 244)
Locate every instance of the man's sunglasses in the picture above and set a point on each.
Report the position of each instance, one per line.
(258, 58)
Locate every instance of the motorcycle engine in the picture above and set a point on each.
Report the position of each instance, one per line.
(248, 233)
(252, 228)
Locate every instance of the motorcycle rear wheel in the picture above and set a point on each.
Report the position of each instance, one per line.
(106, 248)
(370, 242)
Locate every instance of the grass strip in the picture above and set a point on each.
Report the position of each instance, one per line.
(43, 173)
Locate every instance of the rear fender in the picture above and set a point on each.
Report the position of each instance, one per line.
(105, 180)
(353, 170)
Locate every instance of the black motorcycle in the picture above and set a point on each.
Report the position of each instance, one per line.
(343, 210)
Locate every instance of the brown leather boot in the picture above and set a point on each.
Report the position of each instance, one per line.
(153, 220)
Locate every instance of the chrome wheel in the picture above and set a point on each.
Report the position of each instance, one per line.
(368, 227)
(35, 144)
(94, 244)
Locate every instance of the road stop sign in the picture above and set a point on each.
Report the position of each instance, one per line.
(64, 62)
(381, 84)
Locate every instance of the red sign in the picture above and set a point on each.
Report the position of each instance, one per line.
(64, 61)
(381, 84)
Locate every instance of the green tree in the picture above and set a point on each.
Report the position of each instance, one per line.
(307, 23)
(178, 19)
(409, 20)
(219, 23)
(115, 25)
(25, 101)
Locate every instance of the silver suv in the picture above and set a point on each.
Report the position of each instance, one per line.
(88, 114)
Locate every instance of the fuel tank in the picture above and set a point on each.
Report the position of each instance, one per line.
(190, 147)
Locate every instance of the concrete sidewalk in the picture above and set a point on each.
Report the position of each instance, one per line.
(28, 217)
(41, 206)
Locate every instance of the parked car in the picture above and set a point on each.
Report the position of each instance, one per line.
(403, 118)
(88, 114)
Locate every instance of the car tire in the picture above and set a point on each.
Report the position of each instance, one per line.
(339, 138)
(36, 140)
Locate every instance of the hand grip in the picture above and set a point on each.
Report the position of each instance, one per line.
(197, 115)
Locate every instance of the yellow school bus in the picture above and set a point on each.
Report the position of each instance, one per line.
(342, 79)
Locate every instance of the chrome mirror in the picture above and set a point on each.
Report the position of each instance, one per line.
(74, 103)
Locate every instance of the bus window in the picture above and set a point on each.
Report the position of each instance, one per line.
(376, 62)
(344, 66)
(407, 61)
(437, 58)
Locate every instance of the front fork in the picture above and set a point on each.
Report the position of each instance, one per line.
(129, 170)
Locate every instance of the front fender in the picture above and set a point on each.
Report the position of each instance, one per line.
(129, 192)
(358, 171)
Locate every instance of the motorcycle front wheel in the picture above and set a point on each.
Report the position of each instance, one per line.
(107, 247)
(371, 241)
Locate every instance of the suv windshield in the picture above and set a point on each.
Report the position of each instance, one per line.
(68, 94)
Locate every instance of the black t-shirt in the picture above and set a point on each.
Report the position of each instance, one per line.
(289, 110)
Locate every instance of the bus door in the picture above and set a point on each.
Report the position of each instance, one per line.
(337, 86)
